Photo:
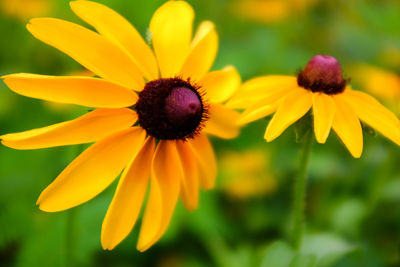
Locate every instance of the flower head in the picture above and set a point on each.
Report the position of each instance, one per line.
(320, 86)
(153, 109)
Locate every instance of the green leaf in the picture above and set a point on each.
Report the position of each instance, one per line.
(278, 254)
(328, 248)
(303, 260)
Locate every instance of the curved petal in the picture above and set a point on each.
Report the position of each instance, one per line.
(171, 29)
(369, 110)
(261, 109)
(323, 110)
(128, 199)
(84, 91)
(222, 122)
(202, 53)
(206, 161)
(347, 126)
(167, 175)
(262, 87)
(90, 49)
(293, 107)
(118, 30)
(92, 171)
(90, 127)
(190, 182)
(220, 85)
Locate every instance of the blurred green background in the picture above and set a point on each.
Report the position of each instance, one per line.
(353, 211)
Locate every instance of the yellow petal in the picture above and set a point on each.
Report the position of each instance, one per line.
(347, 126)
(190, 182)
(369, 110)
(127, 202)
(261, 109)
(84, 91)
(222, 122)
(324, 110)
(118, 30)
(202, 53)
(220, 85)
(206, 161)
(262, 87)
(167, 175)
(90, 127)
(90, 49)
(171, 29)
(92, 171)
(293, 107)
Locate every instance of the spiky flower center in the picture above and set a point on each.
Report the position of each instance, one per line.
(171, 109)
(322, 74)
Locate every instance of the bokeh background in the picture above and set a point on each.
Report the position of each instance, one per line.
(353, 206)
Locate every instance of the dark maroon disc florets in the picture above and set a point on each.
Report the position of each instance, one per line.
(171, 109)
(322, 74)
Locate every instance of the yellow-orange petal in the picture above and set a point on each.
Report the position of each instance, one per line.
(171, 29)
(222, 122)
(90, 49)
(190, 182)
(220, 85)
(262, 87)
(167, 175)
(92, 171)
(264, 107)
(128, 199)
(292, 108)
(84, 91)
(323, 110)
(369, 110)
(202, 53)
(347, 126)
(90, 127)
(206, 161)
(118, 30)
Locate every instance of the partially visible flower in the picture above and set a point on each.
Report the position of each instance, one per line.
(268, 11)
(319, 86)
(246, 174)
(153, 111)
(25, 9)
(380, 82)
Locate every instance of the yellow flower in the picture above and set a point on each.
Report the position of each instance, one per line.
(319, 86)
(382, 83)
(246, 174)
(149, 124)
(268, 11)
(25, 9)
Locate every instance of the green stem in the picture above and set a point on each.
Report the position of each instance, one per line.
(300, 191)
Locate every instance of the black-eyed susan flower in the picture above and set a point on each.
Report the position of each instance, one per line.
(25, 9)
(246, 174)
(153, 111)
(319, 86)
(385, 84)
(269, 11)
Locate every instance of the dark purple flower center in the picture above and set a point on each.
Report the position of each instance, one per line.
(322, 74)
(171, 109)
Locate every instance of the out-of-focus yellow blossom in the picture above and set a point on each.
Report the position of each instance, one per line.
(269, 11)
(245, 174)
(390, 56)
(380, 82)
(25, 9)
